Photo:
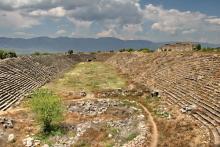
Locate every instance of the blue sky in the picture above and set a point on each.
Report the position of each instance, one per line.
(155, 20)
(209, 7)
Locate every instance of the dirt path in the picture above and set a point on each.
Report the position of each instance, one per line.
(155, 135)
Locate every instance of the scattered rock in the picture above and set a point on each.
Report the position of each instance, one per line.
(83, 94)
(11, 138)
(7, 122)
(36, 142)
(28, 142)
(188, 108)
(109, 135)
(155, 93)
(45, 145)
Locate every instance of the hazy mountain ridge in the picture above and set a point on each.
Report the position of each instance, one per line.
(61, 44)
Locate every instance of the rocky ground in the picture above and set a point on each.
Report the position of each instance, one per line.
(89, 122)
(105, 117)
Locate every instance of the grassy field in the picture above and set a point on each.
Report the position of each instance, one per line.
(89, 76)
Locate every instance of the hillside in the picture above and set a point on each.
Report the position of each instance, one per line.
(63, 44)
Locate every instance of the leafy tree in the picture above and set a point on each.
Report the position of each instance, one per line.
(12, 55)
(36, 54)
(198, 47)
(70, 52)
(130, 50)
(1, 54)
(4, 54)
(122, 50)
(47, 108)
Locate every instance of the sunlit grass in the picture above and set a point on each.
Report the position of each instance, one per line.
(90, 76)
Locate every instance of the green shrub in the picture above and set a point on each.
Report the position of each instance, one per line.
(198, 47)
(1, 54)
(145, 50)
(36, 54)
(5, 54)
(126, 50)
(47, 108)
(131, 136)
(11, 54)
(130, 50)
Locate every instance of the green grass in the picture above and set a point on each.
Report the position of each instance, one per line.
(131, 136)
(90, 76)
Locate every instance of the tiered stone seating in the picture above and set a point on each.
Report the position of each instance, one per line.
(183, 78)
(19, 76)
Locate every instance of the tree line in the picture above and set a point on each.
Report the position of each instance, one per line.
(7, 54)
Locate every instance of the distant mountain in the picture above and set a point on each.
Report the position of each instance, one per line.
(62, 44)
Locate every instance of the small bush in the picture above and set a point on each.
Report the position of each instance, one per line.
(198, 47)
(47, 108)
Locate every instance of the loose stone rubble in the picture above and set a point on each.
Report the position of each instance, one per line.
(188, 108)
(31, 142)
(122, 92)
(135, 122)
(7, 122)
(11, 138)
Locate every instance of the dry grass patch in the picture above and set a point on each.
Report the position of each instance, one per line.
(89, 76)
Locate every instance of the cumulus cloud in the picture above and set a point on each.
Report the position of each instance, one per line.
(125, 19)
(173, 21)
(61, 32)
(214, 21)
(55, 12)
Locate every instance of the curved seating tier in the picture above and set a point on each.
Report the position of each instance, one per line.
(183, 78)
(18, 76)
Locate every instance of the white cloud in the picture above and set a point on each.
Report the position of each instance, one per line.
(55, 12)
(24, 34)
(125, 19)
(214, 21)
(173, 21)
(189, 31)
(61, 32)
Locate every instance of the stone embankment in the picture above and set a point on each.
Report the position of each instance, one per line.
(19, 76)
(187, 79)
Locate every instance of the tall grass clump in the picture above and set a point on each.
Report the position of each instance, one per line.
(48, 109)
